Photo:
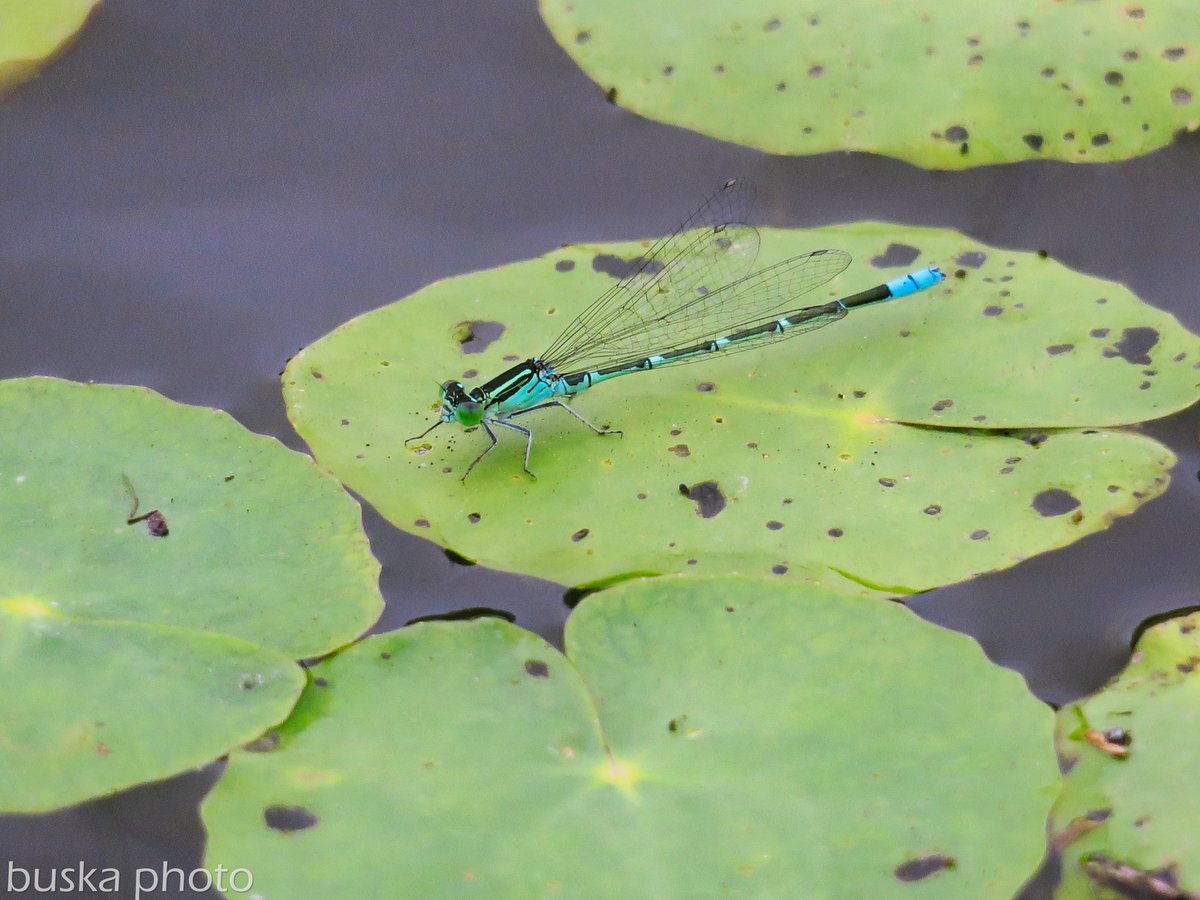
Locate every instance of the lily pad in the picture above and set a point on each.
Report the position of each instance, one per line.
(808, 459)
(700, 737)
(250, 539)
(1126, 819)
(105, 705)
(34, 31)
(939, 83)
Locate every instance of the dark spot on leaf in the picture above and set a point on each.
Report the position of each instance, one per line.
(620, 268)
(1181, 96)
(941, 405)
(320, 682)
(680, 450)
(288, 818)
(1055, 502)
(537, 668)
(317, 374)
(611, 95)
(888, 482)
(668, 70)
(708, 497)
(1057, 349)
(924, 866)
(1034, 440)
(706, 387)
(250, 682)
(1114, 78)
(1048, 72)
(1043, 254)
(1134, 346)
(421, 523)
(956, 134)
(932, 509)
(779, 569)
(772, 25)
(782, 86)
(1099, 332)
(471, 373)
(993, 310)
(475, 337)
(580, 535)
(264, 744)
(1174, 53)
(816, 71)
(385, 655)
(978, 534)
(564, 265)
(474, 518)
(835, 532)
(1099, 140)
(973, 259)
(1130, 55)
(1035, 141)
(774, 526)
(582, 37)
(896, 255)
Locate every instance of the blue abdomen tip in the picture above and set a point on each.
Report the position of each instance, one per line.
(915, 281)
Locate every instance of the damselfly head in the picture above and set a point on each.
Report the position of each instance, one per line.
(459, 406)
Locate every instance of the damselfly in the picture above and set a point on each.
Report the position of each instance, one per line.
(687, 298)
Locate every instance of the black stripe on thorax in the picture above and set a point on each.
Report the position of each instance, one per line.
(508, 382)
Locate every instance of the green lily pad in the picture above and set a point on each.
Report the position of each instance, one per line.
(34, 31)
(700, 737)
(251, 539)
(939, 83)
(806, 459)
(1126, 822)
(104, 705)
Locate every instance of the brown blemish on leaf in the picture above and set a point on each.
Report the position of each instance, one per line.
(924, 866)
(707, 495)
(288, 818)
(537, 668)
(1054, 502)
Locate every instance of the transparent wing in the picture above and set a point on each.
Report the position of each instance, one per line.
(748, 303)
(711, 248)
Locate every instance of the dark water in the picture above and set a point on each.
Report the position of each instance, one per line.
(198, 189)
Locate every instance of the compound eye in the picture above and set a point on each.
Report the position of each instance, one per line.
(449, 388)
(469, 412)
